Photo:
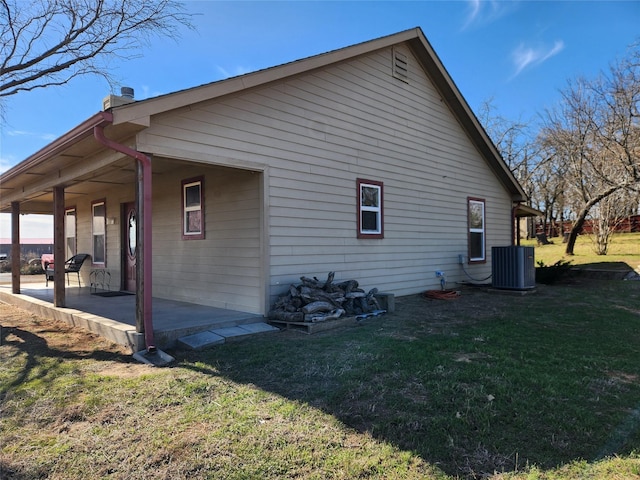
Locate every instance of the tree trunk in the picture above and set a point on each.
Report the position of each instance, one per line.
(579, 223)
(575, 230)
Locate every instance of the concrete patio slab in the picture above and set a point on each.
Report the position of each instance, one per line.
(260, 327)
(114, 317)
(232, 332)
(201, 340)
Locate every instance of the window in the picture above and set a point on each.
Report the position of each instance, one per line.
(476, 230)
(70, 231)
(98, 227)
(370, 214)
(192, 209)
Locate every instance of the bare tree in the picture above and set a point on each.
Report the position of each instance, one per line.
(595, 133)
(512, 138)
(607, 216)
(513, 141)
(49, 42)
(548, 195)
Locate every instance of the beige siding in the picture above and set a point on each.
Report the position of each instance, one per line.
(224, 268)
(113, 197)
(319, 132)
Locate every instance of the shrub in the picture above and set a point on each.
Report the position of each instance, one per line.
(31, 269)
(25, 268)
(549, 274)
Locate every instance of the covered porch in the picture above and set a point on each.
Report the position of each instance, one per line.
(114, 317)
(91, 184)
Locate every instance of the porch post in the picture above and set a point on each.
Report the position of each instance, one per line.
(144, 253)
(15, 247)
(59, 298)
(144, 320)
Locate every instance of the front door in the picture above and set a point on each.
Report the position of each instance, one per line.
(129, 244)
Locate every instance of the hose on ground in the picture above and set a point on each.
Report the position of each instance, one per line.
(442, 294)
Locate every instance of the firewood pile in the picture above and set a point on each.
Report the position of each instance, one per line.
(314, 301)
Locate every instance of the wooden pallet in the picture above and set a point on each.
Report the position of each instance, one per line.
(311, 328)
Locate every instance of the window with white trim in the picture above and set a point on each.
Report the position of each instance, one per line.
(70, 231)
(476, 230)
(99, 231)
(192, 209)
(370, 209)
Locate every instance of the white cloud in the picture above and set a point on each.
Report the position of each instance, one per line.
(234, 72)
(24, 133)
(474, 11)
(25, 138)
(482, 12)
(148, 93)
(6, 163)
(524, 56)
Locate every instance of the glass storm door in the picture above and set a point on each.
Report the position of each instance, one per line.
(130, 246)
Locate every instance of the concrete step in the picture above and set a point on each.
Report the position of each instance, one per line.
(210, 338)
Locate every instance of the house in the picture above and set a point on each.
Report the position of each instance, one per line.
(366, 161)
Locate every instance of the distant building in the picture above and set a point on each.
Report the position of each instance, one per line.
(29, 247)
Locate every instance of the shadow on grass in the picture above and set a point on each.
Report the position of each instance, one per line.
(607, 266)
(484, 384)
(35, 348)
(605, 271)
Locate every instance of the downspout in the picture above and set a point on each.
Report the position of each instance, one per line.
(144, 189)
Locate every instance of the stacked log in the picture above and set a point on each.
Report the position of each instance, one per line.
(314, 301)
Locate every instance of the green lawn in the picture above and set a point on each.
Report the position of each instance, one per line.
(539, 386)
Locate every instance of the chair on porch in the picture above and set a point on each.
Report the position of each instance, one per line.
(73, 265)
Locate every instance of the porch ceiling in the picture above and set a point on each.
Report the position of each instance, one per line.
(119, 172)
(81, 166)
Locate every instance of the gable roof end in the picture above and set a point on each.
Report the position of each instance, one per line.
(140, 111)
(133, 117)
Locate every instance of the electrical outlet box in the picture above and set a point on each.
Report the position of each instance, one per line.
(439, 273)
(461, 259)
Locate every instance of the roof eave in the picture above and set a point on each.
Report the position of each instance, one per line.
(80, 132)
(527, 211)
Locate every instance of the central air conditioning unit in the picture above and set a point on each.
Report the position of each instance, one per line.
(513, 268)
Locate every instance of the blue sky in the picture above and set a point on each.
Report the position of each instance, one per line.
(518, 54)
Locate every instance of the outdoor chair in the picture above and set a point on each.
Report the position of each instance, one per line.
(73, 265)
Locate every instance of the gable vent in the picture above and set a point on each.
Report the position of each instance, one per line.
(400, 66)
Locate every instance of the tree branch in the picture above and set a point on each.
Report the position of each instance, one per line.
(51, 42)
